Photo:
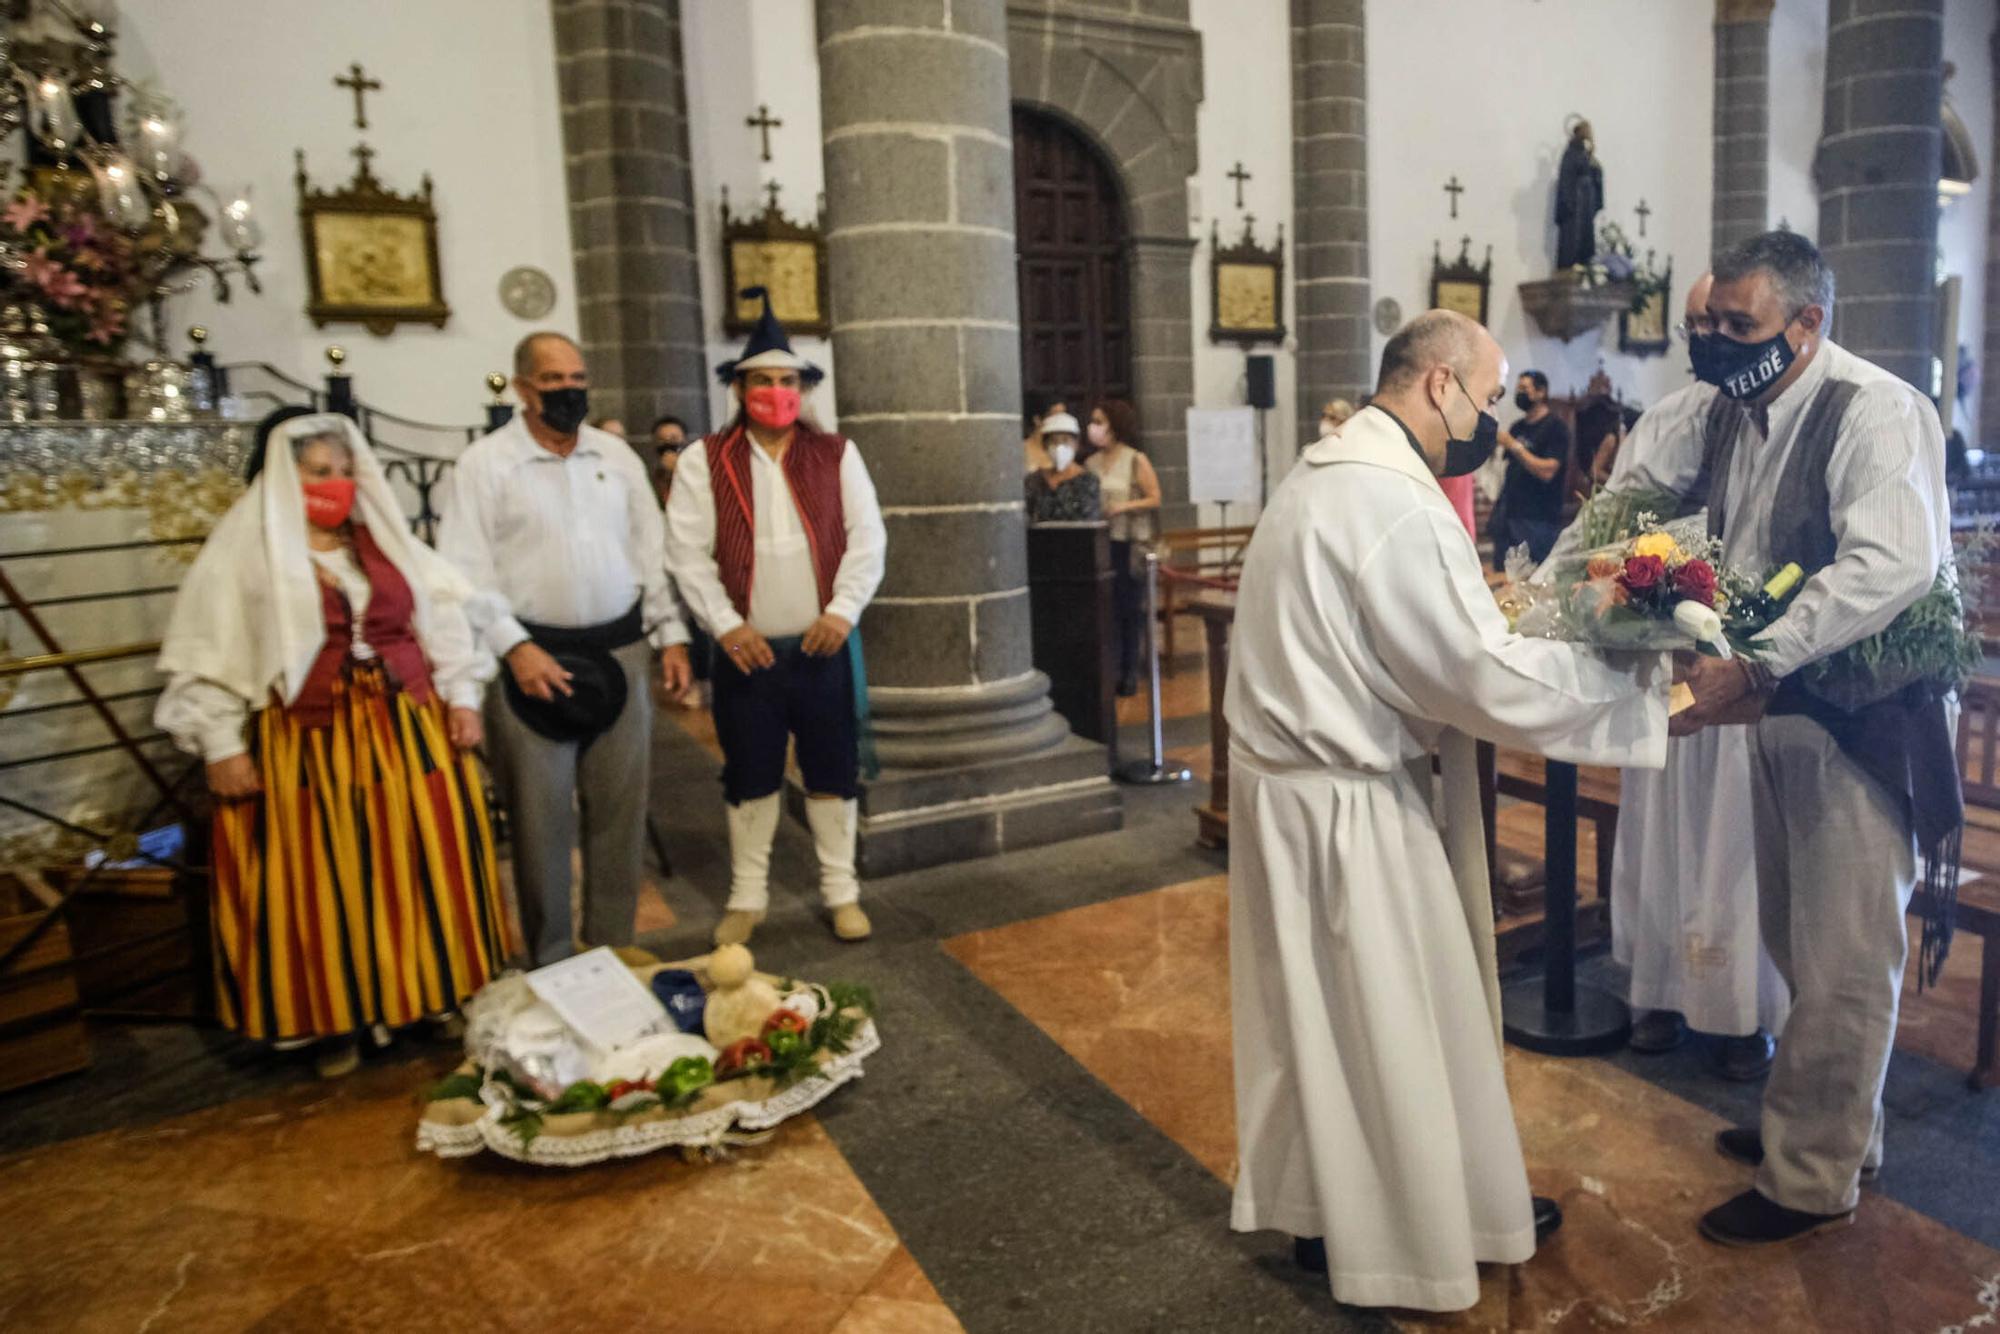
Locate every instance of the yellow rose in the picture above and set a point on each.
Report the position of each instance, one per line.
(1656, 544)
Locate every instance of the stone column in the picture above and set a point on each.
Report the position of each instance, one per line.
(1741, 206)
(1989, 362)
(1877, 173)
(920, 246)
(1330, 203)
(631, 208)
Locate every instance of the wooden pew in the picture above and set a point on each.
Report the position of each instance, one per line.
(1979, 899)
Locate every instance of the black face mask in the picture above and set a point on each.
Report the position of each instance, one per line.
(1522, 400)
(1464, 456)
(563, 410)
(1740, 370)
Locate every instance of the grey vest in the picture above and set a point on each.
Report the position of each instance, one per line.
(1801, 511)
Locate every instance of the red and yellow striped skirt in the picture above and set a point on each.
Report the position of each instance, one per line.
(360, 887)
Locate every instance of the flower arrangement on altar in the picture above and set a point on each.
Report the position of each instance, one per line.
(81, 272)
(1617, 261)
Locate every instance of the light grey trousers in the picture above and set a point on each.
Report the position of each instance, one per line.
(1836, 864)
(548, 786)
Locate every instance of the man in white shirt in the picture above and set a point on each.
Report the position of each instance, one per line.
(1812, 455)
(776, 541)
(555, 524)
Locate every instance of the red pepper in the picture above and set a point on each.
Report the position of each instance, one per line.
(624, 1086)
(785, 1021)
(749, 1051)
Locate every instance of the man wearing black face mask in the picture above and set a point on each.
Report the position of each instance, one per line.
(555, 525)
(1529, 510)
(1362, 979)
(1811, 455)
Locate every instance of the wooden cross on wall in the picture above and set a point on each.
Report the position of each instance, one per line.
(364, 155)
(772, 190)
(362, 85)
(1239, 176)
(764, 122)
(1454, 189)
(1643, 213)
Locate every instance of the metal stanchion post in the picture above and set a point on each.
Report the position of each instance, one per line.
(1154, 770)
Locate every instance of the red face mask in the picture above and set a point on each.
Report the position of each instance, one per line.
(772, 406)
(329, 501)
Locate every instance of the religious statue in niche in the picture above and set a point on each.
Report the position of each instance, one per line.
(1246, 287)
(1461, 285)
(786, 258)
(1579, 196)
(371, 253)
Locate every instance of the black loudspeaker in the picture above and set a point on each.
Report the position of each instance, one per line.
(1261, 373)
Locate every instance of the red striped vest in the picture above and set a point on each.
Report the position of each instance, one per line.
(385, 625)
(812, 468)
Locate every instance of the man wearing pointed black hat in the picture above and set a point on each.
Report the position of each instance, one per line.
(776, 541)
(555, 524)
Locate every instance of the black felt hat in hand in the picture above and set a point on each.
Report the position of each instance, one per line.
(768, 348)
(596, 698)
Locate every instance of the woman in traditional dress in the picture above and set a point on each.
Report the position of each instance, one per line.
(1132, 503)
(320, 661)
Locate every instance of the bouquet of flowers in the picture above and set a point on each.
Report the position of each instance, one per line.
(65, 259)
(1663, 588)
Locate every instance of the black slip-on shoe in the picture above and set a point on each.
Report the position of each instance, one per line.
(1752, 1220)
(1658, 1031)
(1746, 1145)
(1309, 1254)
(1746, 1059)
(1548, 1217)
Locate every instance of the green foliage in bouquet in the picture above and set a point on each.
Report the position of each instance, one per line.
(1933, 640)
(1610, 517)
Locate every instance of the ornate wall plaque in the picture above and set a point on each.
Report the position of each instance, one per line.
(1645, 330)
(1247, 287)
(527, 292)
(371, 254)
(1461, 285)
(788, 258)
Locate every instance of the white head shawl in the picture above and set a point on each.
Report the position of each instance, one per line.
(249, 615)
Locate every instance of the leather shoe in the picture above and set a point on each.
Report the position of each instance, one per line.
(1752, 1220)
(1658, 1031)
(1746, 1145)
(1746, 1059)
(1548, 1217)
(1309, 1254)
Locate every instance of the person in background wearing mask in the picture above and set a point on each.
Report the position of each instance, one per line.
(669, 439)
(1809, 454)
(1529, 510)
(320, 660)
(1684, 869)
(555, 525)
(776, 540)
(1065, 491)
(1371, 1105)
(1131, 493)
(1034, 452)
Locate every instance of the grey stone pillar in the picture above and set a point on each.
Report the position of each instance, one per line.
(631, 207)
(1989, 364)
(1330, 202)
(926, 336)
(1741, 205)
(1877, 173)
(1163, 363)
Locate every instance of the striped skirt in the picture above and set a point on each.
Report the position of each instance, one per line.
(360, 887)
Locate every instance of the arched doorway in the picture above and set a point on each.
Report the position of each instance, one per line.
(1069, 224)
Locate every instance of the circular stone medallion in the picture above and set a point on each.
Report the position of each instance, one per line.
(1388, 315)
(527, 292)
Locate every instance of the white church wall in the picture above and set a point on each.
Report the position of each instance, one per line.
(1968, 32)
(1246, 116)
(1798, 109)
(469, 96)
(1480, 92)
(729, 75)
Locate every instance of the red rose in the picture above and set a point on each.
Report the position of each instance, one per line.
(1643, 574)
(1695, 581)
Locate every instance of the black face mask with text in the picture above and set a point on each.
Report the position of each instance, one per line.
(563, 410)
(1464, 456)
(1742, 371)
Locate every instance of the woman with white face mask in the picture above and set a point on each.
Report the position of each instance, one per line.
(1065, 491)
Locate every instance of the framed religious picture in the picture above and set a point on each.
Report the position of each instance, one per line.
(371, 253)
(1644, 331)
(1461, 285)
(1246, 287)
(786, 258)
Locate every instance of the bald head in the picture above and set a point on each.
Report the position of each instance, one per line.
(1439, 372)
(1696, 309)
(541, 345)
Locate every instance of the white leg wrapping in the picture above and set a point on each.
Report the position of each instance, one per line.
(833, 829)
(752, 825)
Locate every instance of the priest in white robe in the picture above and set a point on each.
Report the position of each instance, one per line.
(1372, 1117)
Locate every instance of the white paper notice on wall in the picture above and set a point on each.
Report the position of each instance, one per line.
(1222, 455)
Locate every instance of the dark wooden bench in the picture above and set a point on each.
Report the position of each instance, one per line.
(1979, 899)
